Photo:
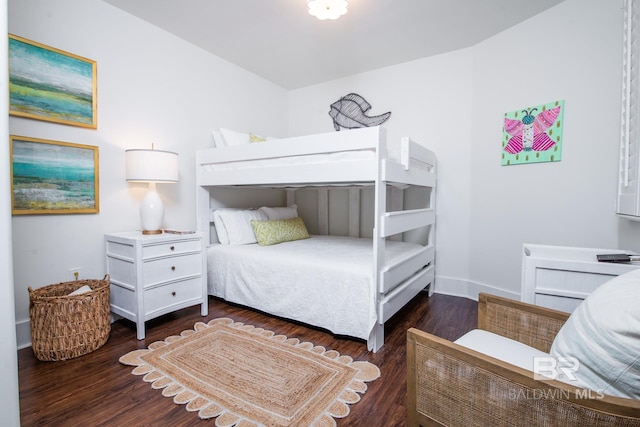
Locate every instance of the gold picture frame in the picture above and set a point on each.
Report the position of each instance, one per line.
(50, 84)
(53, 177)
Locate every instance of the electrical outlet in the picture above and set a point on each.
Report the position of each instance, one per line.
(74, 273)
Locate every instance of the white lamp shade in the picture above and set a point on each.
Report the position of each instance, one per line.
(151, 166)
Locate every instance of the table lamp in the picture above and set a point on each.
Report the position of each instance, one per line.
(152, 166)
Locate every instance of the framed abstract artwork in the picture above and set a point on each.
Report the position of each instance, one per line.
(53, 177)
(52, 85)
(533, 134)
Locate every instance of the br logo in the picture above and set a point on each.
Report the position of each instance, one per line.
(551, 368)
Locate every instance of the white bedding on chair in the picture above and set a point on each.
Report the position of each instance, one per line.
(325, 281)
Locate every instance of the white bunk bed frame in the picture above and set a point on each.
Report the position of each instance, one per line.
(396, 283)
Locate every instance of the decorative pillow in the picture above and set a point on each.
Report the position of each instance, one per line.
(232, 138)
(278, 231)
(256, 138)
(221, 230)
(603, 334)
(238, 225)
(289, 212)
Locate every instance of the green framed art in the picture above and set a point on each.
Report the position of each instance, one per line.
(51, 85)
(53, 177)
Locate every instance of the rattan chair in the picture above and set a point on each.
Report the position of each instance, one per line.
(451, 385)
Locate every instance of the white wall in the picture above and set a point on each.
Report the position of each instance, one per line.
(152, 88)
(572, 53)
(430, 101)
(455, 104)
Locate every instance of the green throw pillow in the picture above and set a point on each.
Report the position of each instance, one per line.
(278, 231)
(256, 138)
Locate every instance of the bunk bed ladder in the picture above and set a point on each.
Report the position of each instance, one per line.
(398, 283)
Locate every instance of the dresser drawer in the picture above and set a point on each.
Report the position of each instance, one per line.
(171, 268)
(164, 298)
(171, 248)
(123, 301)
(121, 250)
(121, 271)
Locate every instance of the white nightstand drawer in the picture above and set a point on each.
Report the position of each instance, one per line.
(557, 302)
(121, 250)
(123, 301)
(120, 270)
(171, 248)
(171, 268)
(164, 298)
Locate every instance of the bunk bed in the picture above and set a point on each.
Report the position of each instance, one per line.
(373, 277)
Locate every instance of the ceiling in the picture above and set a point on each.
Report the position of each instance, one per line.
(279, 41)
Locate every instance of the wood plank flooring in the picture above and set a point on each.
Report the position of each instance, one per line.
(96, 390)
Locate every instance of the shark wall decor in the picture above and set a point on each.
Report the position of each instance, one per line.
(349, 112)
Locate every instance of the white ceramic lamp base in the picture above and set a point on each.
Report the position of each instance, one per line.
(151, 211)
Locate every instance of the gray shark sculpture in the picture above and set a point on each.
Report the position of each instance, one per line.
(349, 112)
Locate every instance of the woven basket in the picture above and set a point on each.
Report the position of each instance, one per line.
(65, 326)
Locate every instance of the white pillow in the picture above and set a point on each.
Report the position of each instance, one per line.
(289, 212)
(218, 139)
(233, 138)
(221, 230)
(238, 224)
(603, 334)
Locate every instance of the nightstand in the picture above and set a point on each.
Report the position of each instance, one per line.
(561, 277)
(152, 275)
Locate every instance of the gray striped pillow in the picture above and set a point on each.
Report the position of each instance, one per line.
(603, 334)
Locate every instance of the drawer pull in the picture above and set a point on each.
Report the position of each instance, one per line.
(172, 248)
(173, 294)
(173, 268)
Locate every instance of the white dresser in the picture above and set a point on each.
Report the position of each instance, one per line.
(152, 275)
(560, 277)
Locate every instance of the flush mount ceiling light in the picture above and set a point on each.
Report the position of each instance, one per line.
(327, 9)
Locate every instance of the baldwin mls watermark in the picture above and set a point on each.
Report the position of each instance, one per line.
(550, 368)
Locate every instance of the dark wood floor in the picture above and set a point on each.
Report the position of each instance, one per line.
(96, 390)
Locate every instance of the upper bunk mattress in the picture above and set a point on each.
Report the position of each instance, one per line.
(325, 281)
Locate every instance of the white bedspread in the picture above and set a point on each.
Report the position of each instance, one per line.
(325, 281)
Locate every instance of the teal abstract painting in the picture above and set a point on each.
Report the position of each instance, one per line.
(52, 85)
(53, 177)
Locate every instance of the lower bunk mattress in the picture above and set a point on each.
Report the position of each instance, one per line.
(324, 281)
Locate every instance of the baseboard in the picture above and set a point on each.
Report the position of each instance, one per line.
(468, 289)
(451, 286)
(475, 289)
(23, 334)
